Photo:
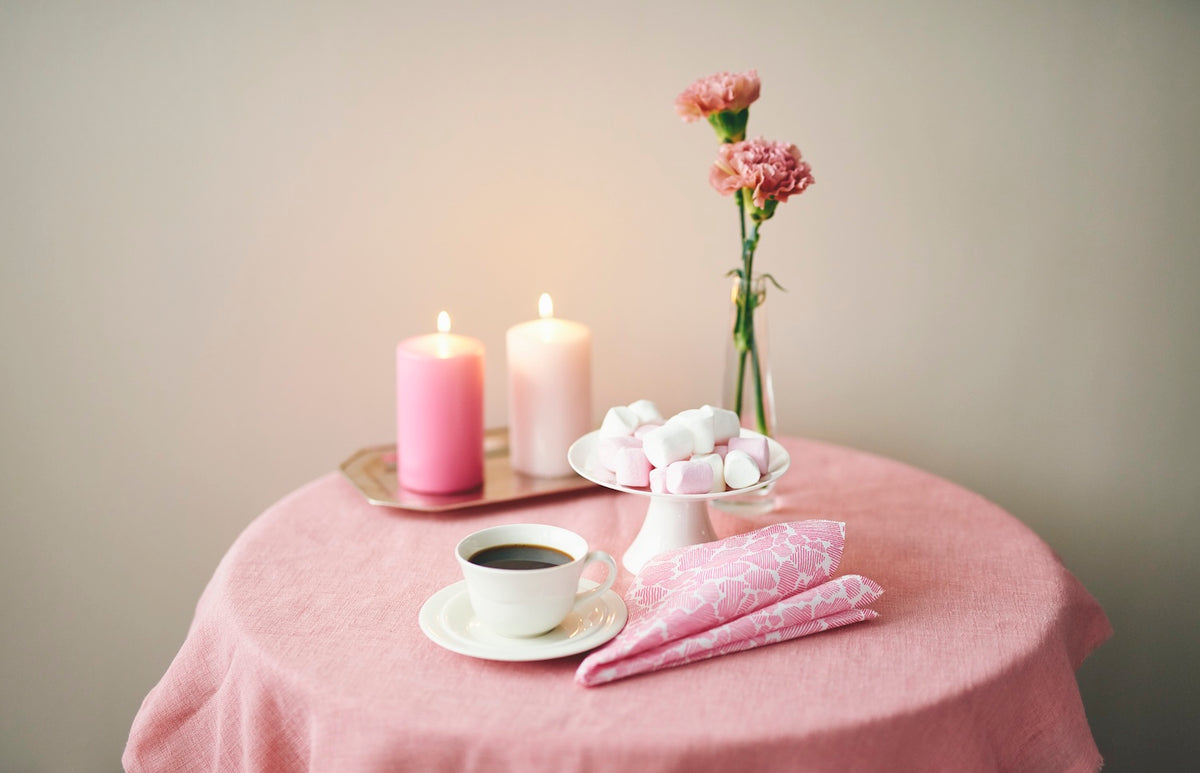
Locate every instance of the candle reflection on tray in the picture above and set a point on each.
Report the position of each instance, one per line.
(373, 472)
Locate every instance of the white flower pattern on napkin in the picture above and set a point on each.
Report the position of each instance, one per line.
(735, 594)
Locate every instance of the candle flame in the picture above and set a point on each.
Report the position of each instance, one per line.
(545, 306)
(443, 323)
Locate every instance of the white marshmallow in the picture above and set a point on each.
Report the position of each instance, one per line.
(725, 423)
(646, 411)
(666, 444)
(718, 468)
(619, 420)
(607, 448)
(689, 477)
(757, 447)
(740, 470)
(700, 424)
(658, 480)
(633, 468)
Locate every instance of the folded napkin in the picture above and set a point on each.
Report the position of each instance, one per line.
(734, 594)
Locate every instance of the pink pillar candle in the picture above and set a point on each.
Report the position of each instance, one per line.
(549, 391)
(439, 412)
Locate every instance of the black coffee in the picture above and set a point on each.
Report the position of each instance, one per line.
(520, 557)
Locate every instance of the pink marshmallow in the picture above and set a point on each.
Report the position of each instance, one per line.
(689, 477)
(718, 466)
(721, 449)
(658, 480)
(756, 447)
(633, 468)
(641, 431)
(608, 447)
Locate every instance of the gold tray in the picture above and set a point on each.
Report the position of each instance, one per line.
(373, 472)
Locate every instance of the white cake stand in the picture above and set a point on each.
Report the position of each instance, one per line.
(672, 520)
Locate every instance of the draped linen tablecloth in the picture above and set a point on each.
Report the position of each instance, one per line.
(305, 651)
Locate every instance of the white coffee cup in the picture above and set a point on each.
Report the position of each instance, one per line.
(524, 602)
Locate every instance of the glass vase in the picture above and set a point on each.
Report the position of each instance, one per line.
(747, 385)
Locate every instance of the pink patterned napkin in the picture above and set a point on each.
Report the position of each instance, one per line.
(734, 594)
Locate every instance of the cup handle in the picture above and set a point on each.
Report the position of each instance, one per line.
(607, 560)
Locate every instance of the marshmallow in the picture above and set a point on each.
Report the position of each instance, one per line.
(726, 424)
(721, 449)
(618, 421)
(757, 447)
(740, 470)
(607, 448)
(641, 431)
(658, 480)
(690, 477)
(718, 468)
(633, 468)
(666, 444)
(700, 424)
(646, 411)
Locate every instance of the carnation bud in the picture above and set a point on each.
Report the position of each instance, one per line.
(758, 214)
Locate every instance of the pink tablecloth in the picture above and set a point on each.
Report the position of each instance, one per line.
(305, 652)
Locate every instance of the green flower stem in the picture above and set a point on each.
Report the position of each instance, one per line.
(739, 339)
(741, 368)
(741, 202)
(760, 414)
(743, 328)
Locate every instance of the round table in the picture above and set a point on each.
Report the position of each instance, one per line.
(305, 651)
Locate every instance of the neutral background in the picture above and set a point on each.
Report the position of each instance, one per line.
(216, 221)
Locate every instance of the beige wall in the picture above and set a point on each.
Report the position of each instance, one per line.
(217, 219)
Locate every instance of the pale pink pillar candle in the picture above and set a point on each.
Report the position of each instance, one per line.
(549, 391)
(439, 411)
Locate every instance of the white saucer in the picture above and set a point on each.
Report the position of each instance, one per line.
(448, 620)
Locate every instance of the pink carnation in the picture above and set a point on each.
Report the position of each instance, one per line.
(773, 170)
(717, 93)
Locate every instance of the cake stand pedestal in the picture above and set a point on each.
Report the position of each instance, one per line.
(672, 520)
(670, 523)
